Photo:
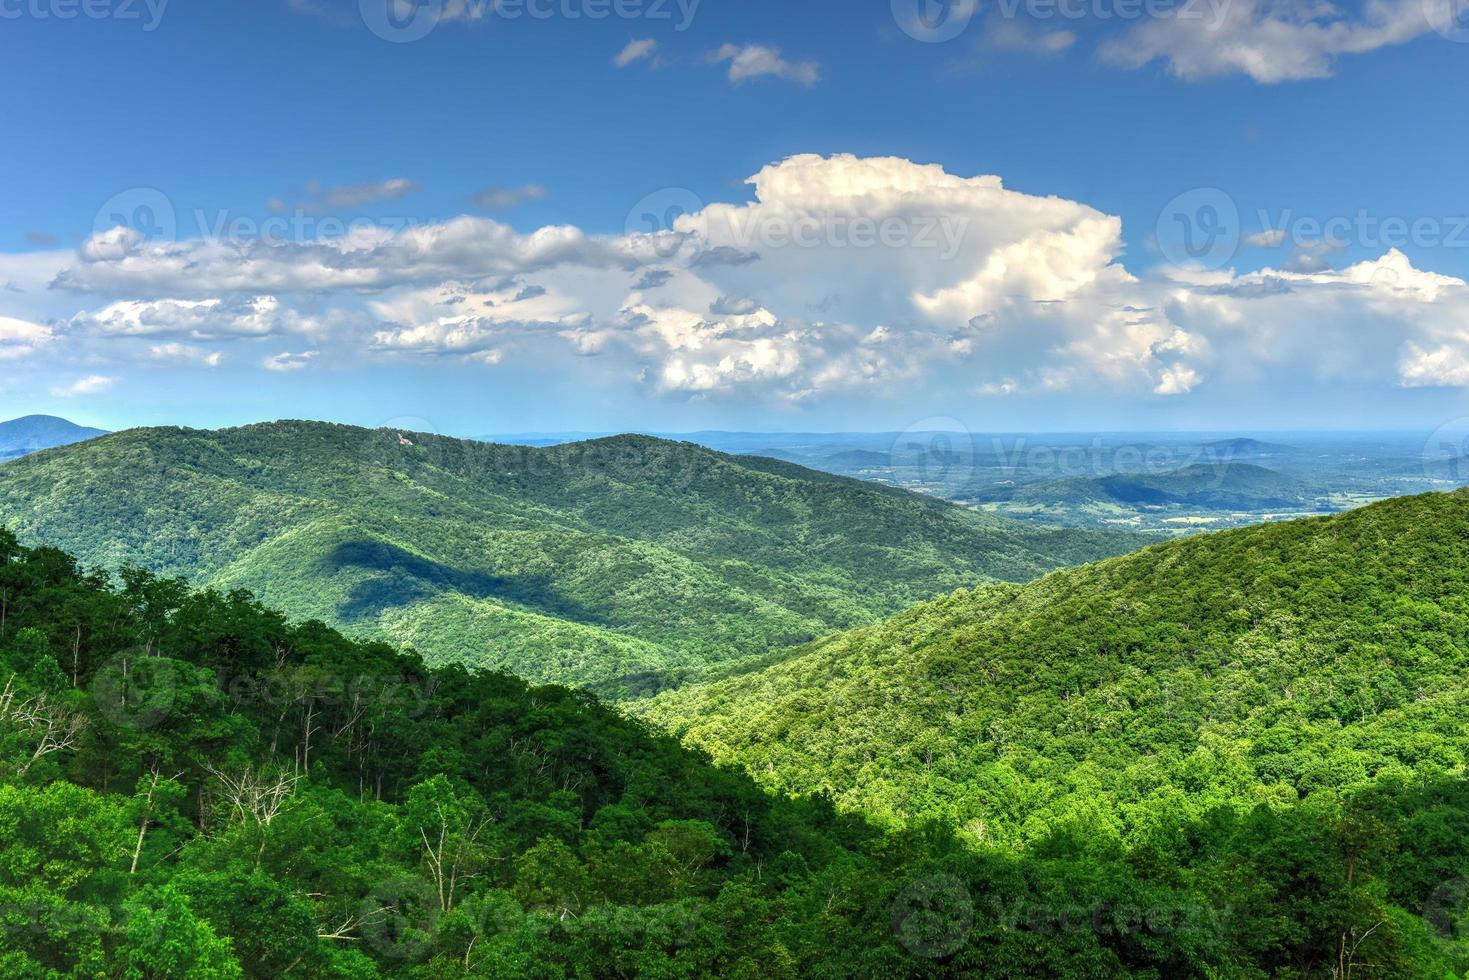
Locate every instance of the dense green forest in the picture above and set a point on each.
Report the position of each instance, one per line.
(608, 563)
(192, 786)
(1264, 663)
(1269, 676)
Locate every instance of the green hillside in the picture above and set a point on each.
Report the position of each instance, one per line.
(1288, 666)
(610, 562)
(193, 787)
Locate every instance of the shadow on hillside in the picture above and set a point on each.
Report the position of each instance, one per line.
(404, 578)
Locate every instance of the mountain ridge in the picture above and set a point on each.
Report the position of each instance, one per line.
(33, 433)
(1296, 658)
(673, 554)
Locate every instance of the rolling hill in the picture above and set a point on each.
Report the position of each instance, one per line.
(609, 563)
(22, 436)
(1288, 665)
(1209, 486)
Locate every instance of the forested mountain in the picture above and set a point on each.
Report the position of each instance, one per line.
(1277, 659)
(1280, 673)
(592, 563)
(30, 434)
(192, 787)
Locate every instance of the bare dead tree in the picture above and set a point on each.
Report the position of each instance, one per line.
(54, 726)
(450, 854)
(344, 930)
(147, 818)
(255, 795)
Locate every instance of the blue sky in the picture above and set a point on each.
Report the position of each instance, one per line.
(507, 164)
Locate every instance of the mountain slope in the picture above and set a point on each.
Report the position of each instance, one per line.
(22, 436)
(192, 786)
(584, 563)
(1272, 664)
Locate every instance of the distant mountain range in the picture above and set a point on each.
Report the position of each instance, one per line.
(606, 563)
(1209, 486)
(23, 436)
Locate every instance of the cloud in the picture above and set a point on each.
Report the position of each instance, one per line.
(287, 361)
(41, 238)
(1270, 238)
(1312, 256)
(1269, 41)
(874, 276)
(505, 198)
(1442, 367)
(20, 338)
(112, 245)
(1380, 321)
(182, 354)
(1177, 381)
(635, 51)
(257, 316)
(476, 323)
(461, 248)
(90, 385)
(360, 195)
(1009, 35)
(653, 279)
(320, 197)
(758, 61)
(475, 338)
(733, 306)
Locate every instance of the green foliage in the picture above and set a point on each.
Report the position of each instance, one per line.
(1235, 756)
(1279, 713)
(623, 563)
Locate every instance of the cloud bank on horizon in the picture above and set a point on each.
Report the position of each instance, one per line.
(841, 276)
